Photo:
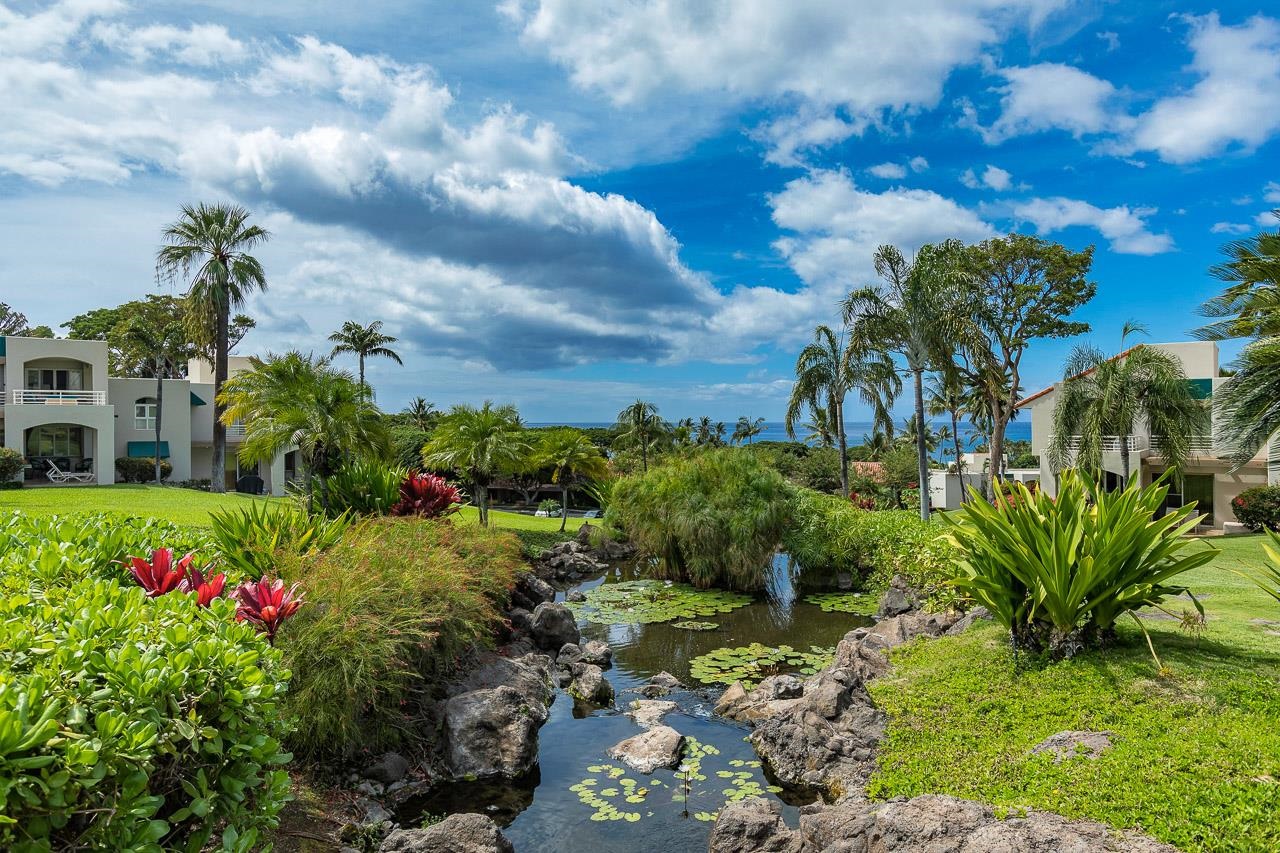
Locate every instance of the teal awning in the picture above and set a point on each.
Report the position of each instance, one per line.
(1, 345)
(196, 401)
(146, 450)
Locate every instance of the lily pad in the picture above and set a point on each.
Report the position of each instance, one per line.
(844, 602)
(644, 602)
(751, 664)
(695, 626)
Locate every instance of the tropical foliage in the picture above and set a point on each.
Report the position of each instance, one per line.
(478, 444)
(573, 460)
(713, 520)
(364, 342)
(1267, 577)
(1058, 572)
(640, 428)
(1258, 507)
(251, 539)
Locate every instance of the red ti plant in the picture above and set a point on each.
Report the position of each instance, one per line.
(161, 575)
(426, 495)
(206, 589)
(266, 604)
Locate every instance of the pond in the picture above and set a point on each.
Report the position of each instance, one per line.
(579, 799)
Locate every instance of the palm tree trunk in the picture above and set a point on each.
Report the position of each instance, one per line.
(644, 453)
(1124, 461)
(564, 506)
(363, 388)
(159, 410)
(482, 494)
(218, 475)
(838, 406)
(955, 437)
(921, 450)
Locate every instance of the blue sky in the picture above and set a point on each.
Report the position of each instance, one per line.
(568, 204)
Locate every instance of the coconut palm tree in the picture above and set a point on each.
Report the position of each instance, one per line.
(947, 396)
(747, 429)
(422, 414)
(480, 444)
(827, 370)
(877, 444)
(909, 314)
(682, 432)
(300, 401)
(819, 432)
(165, 347)
(1104, 396)
(573, 459)
(366, 342)
(209, 247)
(640, 426)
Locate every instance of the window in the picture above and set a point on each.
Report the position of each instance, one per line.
(56, 441)
(55, 379)
(144, 414)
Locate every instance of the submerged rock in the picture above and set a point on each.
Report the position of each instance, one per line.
(459, 833)
(553, 625)
(1066, 745)
(649, 712)
(659, 685)
(647, 751)
(925, 823)
(598, 653)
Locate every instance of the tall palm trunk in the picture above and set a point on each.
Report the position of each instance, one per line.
(922, 451)
(955, 437)
(1124, 461)
(564, 506)
(218, 475)
(482, 503)
(363, 387)
(644, 452)
(159, 410)
(838, 408)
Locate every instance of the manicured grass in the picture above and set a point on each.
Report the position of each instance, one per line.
(1196, 760)
(189, 506)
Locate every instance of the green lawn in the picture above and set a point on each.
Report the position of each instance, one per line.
(188, 506)
(1196, 760)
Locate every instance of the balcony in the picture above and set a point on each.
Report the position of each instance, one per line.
(235, 430)
(32, 397)
(1111, 443)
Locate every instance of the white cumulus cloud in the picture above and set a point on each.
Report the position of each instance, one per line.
(1124, 228)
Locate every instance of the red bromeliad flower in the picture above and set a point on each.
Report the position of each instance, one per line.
(266, 604)
(205, 590)
(426, 495)
(161, 575)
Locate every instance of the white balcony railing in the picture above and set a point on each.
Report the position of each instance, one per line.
(31, 397)
(235, 431)
(1111, 443)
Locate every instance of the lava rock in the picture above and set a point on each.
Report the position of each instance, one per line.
(646, 752)
(459, 833)
(589, 684)
(553, 625)
(598, 653)
(649, 712)
(1074, 744)
(577, 596)
(570, 653)
(753, 825)
(659, 685)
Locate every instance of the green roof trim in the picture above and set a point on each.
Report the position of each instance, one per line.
(1201, 389)
(146, 450)
(196, 401)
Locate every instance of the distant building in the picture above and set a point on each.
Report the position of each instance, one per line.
(1207, 478)
(61, 407)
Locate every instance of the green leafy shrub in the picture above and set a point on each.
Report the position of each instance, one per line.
(363, 487)
(129, 723)
(712, 520)
(550, 506)
(1267, 578)
(11, 464)
(251, 539)
(141, 469)
(824, 539)
(1258, 507)
(395, 602)
(1058, 572)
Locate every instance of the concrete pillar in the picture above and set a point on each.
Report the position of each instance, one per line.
(275, 477)
(104, 457)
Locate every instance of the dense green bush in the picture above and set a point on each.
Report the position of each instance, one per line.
(11, 464)
(249, 540)
(823, 538)
(1258, 507)
(141, 470)
(394, 601)
(406, 445)
(93, 544)
(816, 468)
(1058, 572)
(127, 722)
(712, 520)
(363, 487)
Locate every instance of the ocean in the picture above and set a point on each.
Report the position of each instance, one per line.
(775, 431)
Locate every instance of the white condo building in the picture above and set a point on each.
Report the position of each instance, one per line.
(61, 407)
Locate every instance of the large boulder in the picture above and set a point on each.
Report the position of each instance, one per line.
(459, 833)
(553, 625)
(927, 823)
(897, 598)
(659, 685)
(771, 697)
(389, 769)
(530, 591)
(660, 746)
(649, 712)
(490, 722)
(589, 684)
(529, 674)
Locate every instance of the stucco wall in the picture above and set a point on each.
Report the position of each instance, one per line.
(175, 420)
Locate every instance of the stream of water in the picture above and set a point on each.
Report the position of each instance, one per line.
(541, 814)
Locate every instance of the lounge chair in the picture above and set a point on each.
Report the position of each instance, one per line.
(57, 475)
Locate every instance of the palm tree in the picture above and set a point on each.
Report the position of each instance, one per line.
(909, 315)
(365, 342)
(682, 432)
(422, 414)
(572, 458)
(947, 396)
(1250, 306)
(301, 401)
(165, 347)
(1104, 396)
(819, 431)
(1246, 403)
(828, 369)
(910, 435)
(214, 241)
(878, 443)
(479, 444)
(747, 429)
(640, 426)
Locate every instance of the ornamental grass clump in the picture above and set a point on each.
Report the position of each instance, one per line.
(714, 520)
(1058, 573)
